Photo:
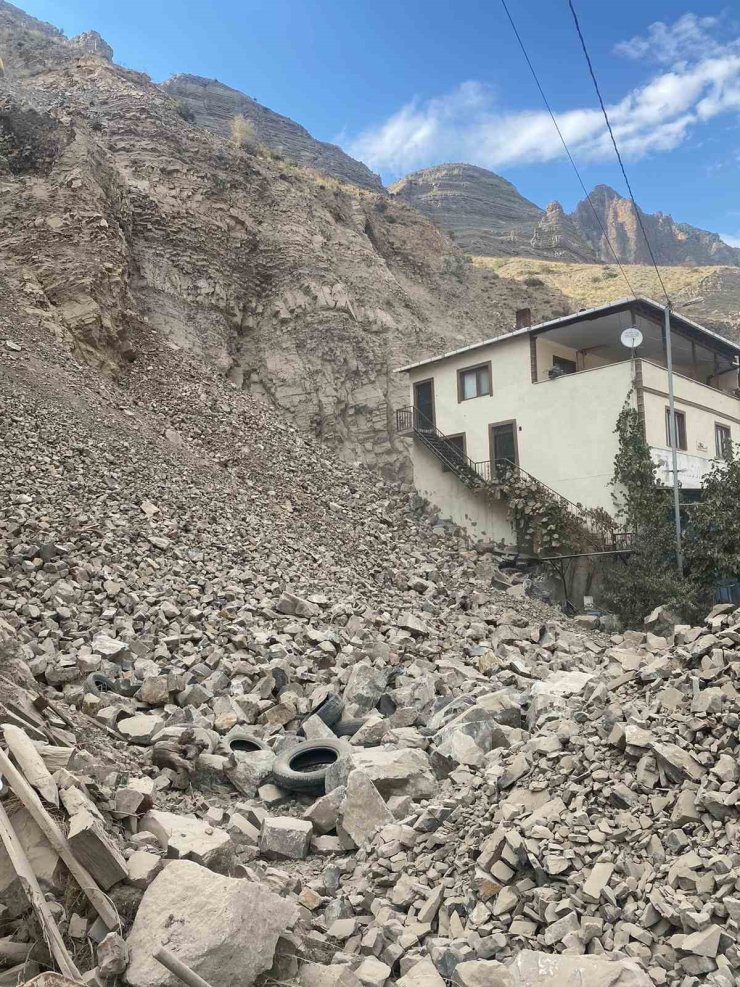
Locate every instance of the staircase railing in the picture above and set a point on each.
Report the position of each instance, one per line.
(597, 530)
(412, 420)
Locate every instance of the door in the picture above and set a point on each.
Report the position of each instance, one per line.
(424, 403)
(503, 444)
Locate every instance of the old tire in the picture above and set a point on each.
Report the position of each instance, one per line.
(303, 768)
(330, 709)
(348, 728)
(97, 684)
(243, 742)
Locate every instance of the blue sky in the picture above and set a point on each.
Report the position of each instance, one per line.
(404, 84)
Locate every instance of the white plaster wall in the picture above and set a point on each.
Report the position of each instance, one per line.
(486, 519)
(716, 407)
(565, 427)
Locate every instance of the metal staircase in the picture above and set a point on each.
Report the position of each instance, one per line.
(490, 478)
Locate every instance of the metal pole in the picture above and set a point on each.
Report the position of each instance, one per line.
(673, 437)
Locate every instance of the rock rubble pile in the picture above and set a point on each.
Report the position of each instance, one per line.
(294, 731)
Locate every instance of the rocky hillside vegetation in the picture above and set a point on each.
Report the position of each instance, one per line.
(709, 295)
(488, 216)
(124, 219)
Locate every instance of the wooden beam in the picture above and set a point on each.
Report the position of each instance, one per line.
(31, 763)
(58, 841)
(26, 876)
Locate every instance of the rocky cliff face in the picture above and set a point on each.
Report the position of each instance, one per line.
(129, 229)
(490, 218)
(215, 105)
(557, 236)
(485, 213)
(672, 243)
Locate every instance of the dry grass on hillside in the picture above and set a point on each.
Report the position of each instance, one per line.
(596, 284)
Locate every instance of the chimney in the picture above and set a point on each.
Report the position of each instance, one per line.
(523, 318)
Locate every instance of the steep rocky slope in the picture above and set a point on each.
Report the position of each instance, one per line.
(214, 105)
(122, 218)
(709, 295)
(489, 217)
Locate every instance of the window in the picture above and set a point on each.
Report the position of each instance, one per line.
(567, 366)
(458, 455)
(680, 429)
(474, 382)
(503, 443)
(722, 441)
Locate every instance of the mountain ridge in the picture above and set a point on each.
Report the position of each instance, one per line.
(489, 217)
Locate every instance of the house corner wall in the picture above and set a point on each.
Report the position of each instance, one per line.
(483, 517)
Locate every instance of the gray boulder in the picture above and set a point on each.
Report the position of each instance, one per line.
(225, 929)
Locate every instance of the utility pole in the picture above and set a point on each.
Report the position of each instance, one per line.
(673, 436)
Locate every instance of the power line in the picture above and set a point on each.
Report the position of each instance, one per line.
(565, 146)
(616, 148)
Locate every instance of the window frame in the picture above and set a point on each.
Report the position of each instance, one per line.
(491, 443)
(718, 452)
(565, 359)
(456, 435)
(680, 417)
(486, 365)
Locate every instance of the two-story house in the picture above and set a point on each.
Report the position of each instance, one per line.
(546, 398)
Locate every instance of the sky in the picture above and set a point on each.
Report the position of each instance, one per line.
(405, 84)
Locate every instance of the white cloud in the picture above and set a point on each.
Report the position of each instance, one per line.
(469, 124)
(684, 40)
(731, 239)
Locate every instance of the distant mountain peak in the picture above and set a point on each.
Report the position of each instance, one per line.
(488, 216)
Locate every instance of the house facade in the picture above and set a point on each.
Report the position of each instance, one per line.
(545, 399)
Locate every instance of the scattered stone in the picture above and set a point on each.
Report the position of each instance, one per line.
(285, 837)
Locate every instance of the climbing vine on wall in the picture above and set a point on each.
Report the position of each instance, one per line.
(546, 523)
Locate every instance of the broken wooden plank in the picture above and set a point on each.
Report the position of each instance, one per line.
(26, 876)
(58, 841)
(7, 715)
(31, 763)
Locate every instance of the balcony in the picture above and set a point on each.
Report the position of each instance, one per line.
(595, 341)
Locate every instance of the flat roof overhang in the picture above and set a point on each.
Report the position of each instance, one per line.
(645, 308)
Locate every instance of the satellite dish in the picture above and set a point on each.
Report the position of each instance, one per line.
(631, 338)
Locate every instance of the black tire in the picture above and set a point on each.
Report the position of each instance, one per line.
(303, 768)
(330, 709)
(97, 684)
(348, 728)
(242, 742)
